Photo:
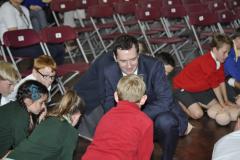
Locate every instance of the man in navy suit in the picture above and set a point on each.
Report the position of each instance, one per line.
(170, 122)
(91, 88)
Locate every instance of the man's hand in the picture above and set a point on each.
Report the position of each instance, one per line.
(35, 7)
(46, 1)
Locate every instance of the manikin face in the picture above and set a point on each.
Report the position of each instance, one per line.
(6, 87)
(221, 53)
(37, 106)
(45, 76)
(127, 60)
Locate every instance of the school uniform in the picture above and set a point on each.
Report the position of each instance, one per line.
(123, 133)
(14, 122)
(196, 81)
(199, 75)
(52, 139)
(232, 73)
(170, 121)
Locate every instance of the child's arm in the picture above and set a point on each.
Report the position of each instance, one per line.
(224, 92)
(217, 92)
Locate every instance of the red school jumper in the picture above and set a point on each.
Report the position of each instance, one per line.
(123, 133)
(199, 75)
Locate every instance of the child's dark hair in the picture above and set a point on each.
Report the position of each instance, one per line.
(69, 104)
(30, 89)
(33, 90)
(165, 58)
(125, 42)
(144, 49)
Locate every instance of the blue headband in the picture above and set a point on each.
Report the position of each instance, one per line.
(35, 92)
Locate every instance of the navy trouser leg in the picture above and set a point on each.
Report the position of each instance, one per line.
(167, 132)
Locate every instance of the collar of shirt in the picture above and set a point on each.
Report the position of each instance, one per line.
(135, 72)
(128, 104)
(218, 64)
(236, 51)
(4, 100)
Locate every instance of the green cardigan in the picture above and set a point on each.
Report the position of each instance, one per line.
(52, 139)
(14, 122)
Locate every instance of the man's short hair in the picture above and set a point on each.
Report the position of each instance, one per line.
(8, 72)
(125, 42)
(219, 39)
(131, 88)
(44, 61)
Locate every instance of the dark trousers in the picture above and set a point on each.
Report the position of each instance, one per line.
(168, 126)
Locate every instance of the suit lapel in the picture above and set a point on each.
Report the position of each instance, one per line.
(141, 70)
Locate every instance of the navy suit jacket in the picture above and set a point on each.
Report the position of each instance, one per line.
(160, 98)
(158, 89)
(91, 84)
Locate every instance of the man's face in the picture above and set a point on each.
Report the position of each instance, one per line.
(222, 53)
(6, 87)
(127, 60)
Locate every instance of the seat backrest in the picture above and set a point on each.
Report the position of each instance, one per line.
(61, 6)
(203, 19)
(191, 2)
(107, 1)
(171, 2)
(216, 5)
(21, 38)
(225, 16)
(237, 12)
(131, 1)
(231, 4)
(196, 8)
(150, 3)
(100, 11)
(207, 1)
(124, 7)
(146, 13)
(175, 11)
(84, 4)
(59, 34)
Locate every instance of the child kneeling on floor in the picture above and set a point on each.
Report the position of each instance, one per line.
(125, 132)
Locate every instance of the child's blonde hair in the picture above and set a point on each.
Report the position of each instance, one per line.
(8, 72)
(131, 88)
(70, 103)
(44, 61)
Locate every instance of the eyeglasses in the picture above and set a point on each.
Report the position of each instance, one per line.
(47, 76)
